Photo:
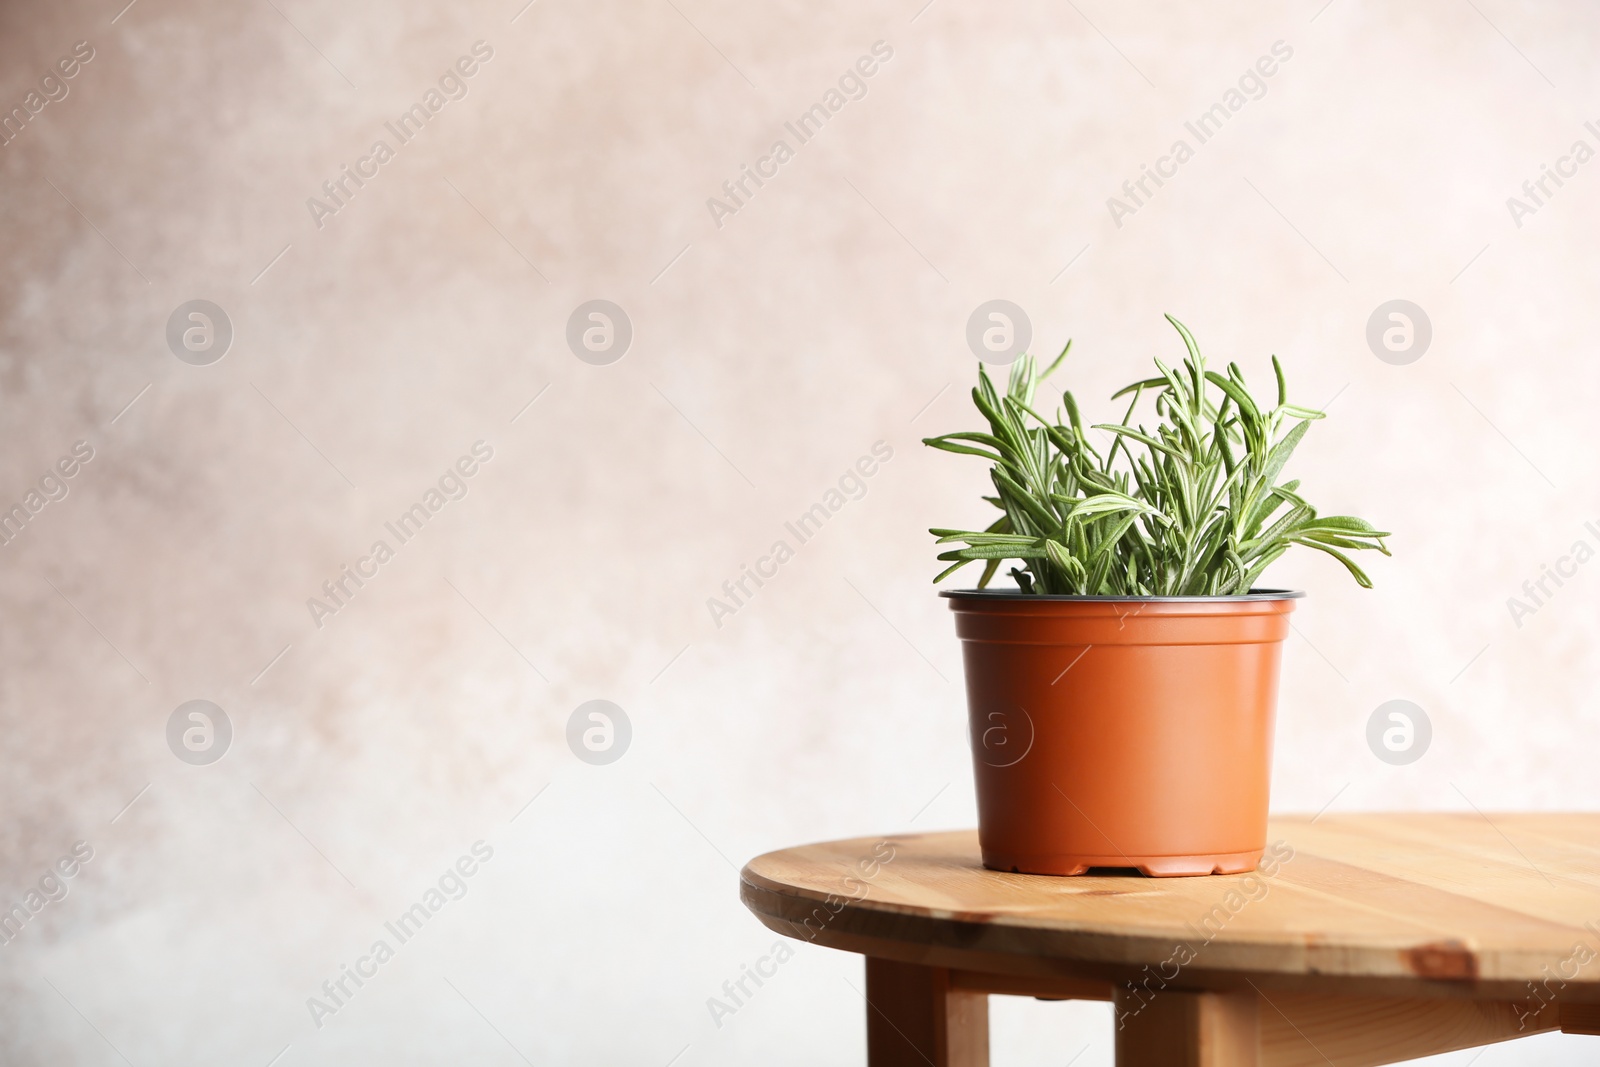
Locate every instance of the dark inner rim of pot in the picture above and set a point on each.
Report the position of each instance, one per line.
(1017, 594)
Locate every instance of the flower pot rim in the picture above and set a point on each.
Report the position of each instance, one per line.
(1019, 595)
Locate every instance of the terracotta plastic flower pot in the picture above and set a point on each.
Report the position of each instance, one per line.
(1122, 732)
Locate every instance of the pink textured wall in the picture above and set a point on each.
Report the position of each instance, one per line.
(776, 340)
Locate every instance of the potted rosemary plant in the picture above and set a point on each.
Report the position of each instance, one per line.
(1122, 696)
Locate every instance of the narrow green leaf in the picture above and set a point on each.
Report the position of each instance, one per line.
(1056, 363)
(1301, 413)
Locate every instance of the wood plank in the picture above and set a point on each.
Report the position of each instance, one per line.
(1376, 939)
(1446, 913)
(1178, 1029)
(1044, 988)
(1122, 919)
(1577, 833)
(1496, 862)
(1311, 1030)
(916, 1018)
(1522, 920)
(1364, 897)
(1580, 1018)
(1495, 848)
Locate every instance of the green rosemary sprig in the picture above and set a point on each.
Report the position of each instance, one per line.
(1190, 507)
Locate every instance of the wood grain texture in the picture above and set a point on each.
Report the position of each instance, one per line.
(1314, 1030)
(1175, 1029)
(1042, 988)
(1442, 902)
(1580, 1019)
(917, 1018)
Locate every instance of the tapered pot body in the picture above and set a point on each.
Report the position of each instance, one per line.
(1122, 732)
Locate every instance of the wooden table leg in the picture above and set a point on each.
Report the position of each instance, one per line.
(916, 1018)
(1171, 1028)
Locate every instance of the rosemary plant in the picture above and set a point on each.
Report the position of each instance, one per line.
(1192, 507)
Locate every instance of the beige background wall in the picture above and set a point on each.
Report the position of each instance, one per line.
(773, 352)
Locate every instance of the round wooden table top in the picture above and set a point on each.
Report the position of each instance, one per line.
(1419, 898)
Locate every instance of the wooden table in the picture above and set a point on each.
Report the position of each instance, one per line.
(1362, 939)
